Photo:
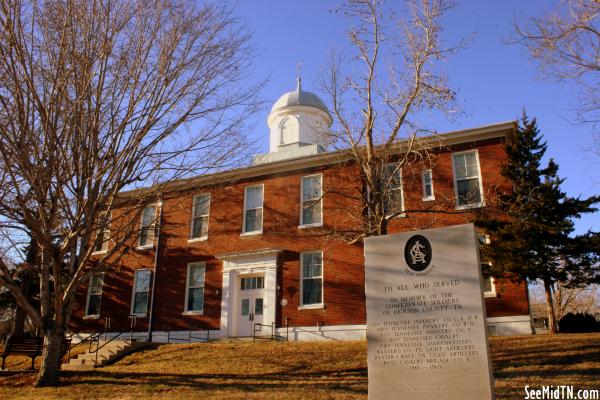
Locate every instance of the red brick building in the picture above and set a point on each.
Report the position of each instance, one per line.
(259, 244)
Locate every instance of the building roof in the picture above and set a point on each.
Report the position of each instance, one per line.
(501, 129)
(300, 97)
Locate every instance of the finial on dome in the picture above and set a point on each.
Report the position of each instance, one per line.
(299, 79)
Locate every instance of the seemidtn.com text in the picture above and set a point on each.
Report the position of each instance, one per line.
(561, 392)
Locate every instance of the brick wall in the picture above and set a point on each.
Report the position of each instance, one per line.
(343, 263)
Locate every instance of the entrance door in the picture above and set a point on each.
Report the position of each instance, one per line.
(251, 304)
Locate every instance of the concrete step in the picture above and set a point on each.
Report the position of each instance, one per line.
(77, 367)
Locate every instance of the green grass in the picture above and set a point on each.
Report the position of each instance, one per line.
(324, 370)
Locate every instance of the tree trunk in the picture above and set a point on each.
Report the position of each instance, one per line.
(19, 325)
(550, 305)
(48, 373)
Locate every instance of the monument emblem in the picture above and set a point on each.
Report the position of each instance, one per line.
(417, 253)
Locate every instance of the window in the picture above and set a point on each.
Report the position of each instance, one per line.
(467, 179)
(200, 210)
(427, 179)
(94, 296)
(194, 291)
(311, 213)
(393, 200)
(311, 266)
(254, 282)
(141, 289)
(102, 233)
(146, 238)
(489, 285)
(253, 209)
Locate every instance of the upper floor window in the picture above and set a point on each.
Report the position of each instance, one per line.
(467, 179)
(102, 233)
(393, 200)
(94, 296)
(141, 290)
(253, 209)
(312, 202)
(427, 178)
(194, 290)
(147, 225)
(311, 268)
(200, 210)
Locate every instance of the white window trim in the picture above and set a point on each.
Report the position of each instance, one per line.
(205, 237)
(402, 214)
(187, 289)
(316, 224)
(133, 292)
(106, 238)
(262, 214)
(491, 293)
(473, 205)
(315, 306)
(151, 245)
(423, 173)
(87, 297)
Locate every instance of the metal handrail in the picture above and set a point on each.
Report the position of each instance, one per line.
(260, 326)
(167, 328)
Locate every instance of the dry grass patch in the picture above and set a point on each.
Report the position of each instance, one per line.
(324, 370)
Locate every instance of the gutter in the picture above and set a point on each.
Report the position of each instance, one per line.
(154, 270)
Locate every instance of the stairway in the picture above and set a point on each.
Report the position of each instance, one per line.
(108, 352)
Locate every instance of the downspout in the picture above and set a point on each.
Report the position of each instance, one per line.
(154, 270)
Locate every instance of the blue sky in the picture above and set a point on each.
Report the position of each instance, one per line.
(494, 81)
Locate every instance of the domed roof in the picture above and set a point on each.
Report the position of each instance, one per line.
(299, 97)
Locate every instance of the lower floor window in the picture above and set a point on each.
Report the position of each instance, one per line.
(312, 278)
(195, 288)
(94, 297)
(141, 289)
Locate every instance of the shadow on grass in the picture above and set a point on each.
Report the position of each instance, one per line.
(346, 380)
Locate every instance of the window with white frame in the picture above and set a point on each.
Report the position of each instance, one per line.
(141, 291)
(312, 201)
(311, 266)
(488, 284)
(427, 178)
(102, 233)
(147, 226)
(467, 179)
(253, 209)
(393, 200)
(194, 290)
(200, 211)
(94, 296)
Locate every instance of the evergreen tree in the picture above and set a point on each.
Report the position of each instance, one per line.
(533, 239)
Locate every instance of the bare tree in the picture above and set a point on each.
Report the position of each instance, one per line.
(97, 97)
(566, 44)
(378, 96)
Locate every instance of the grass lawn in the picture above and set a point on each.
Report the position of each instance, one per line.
(324, 370)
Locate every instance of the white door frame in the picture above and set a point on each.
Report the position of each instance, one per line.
(235, 264)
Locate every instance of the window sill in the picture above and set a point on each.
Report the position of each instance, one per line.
(99, 252)
(91, 317)
(490, 295)
(192, 313)
(403, 215)
(255, 233)
(200, 239)
(470, 206)
(138, 315)
(312, 307)
(147, 247)
(428, 199)
(320, 224)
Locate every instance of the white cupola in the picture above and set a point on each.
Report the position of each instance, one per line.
(297, 123)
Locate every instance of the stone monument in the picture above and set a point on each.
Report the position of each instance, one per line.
(426, 326)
